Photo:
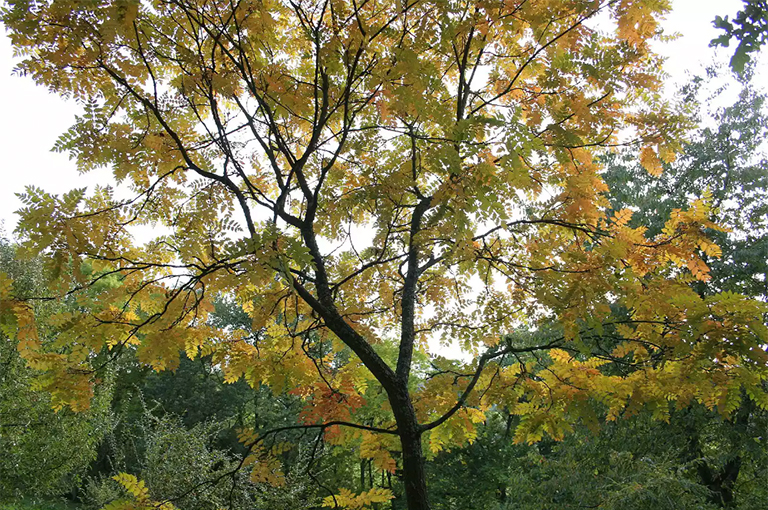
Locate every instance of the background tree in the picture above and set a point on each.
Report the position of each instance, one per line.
(727, 161)
(44, 453)
(178, 432)
(697, 459)
(630, 464)
(749, 28)
(267, 137)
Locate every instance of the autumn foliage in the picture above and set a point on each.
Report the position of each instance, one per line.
(373, 181)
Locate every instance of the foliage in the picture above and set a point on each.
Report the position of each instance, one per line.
(618, 468)
(725, 161)
(182, 466)
(698, 458)
(38, 505)
(637, 463)
(28, 425)
(749, 28)
(196, 393)
(728, 162)
(491, 461)
(364, 500)
(179, 431)
(357, 172)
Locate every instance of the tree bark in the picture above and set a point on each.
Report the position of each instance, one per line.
(413, 472)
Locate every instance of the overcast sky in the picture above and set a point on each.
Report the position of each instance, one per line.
(32, 119)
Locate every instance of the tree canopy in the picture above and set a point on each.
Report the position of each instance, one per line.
(373, 181)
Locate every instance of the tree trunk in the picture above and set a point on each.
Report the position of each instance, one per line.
(414, 474)
(720, 482)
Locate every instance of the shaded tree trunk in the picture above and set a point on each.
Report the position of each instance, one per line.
(720, 482)
(413, 472)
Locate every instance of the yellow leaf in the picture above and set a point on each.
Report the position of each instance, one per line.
(651, 161)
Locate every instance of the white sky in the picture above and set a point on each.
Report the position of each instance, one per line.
(32, 118)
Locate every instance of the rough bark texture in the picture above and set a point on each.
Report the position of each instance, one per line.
(414, 474)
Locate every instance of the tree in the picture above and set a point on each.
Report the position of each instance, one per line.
(28, 425)
(698, 458)
(622, 465)
(727, 161)
(178, 431)
(366, 173)
(750, 30)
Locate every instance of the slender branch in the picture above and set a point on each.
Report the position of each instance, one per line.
(482, 362)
